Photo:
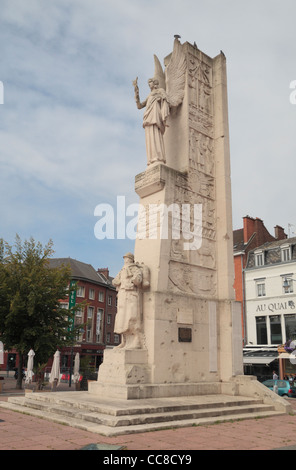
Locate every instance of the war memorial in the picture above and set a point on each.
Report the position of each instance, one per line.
(180, 360)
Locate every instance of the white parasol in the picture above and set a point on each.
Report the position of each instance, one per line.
(76, 369)
(1, 353)
(30, 374)
(55, 370)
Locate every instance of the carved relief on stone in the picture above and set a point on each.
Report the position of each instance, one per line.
(187, 279)
(201, 154)
(205, 74)
(205, 102)
(200, 122)
(206, 255)
(209, 156)
(209, 214)
(193, 67)
(200, 84)
(202, 184)
(193, 153)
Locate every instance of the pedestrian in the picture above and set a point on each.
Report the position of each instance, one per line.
(274, 375)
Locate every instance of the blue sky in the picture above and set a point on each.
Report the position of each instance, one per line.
(71, 136)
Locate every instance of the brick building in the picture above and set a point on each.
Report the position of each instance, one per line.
(97, 315)
(98, 299)
(252, 235)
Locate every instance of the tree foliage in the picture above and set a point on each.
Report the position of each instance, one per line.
(31, 316)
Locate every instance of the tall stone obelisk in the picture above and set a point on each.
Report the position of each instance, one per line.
(190, 323)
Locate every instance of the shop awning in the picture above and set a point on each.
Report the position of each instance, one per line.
(258, 359)
(259, 356)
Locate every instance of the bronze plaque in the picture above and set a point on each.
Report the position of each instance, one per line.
(185, 335)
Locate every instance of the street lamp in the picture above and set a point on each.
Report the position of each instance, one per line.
(287, 284)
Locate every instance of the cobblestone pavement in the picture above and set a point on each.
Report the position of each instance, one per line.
(23, 432)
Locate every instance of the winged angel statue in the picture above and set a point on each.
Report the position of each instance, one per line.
(167, 92)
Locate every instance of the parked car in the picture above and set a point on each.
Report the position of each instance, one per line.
(285, 388)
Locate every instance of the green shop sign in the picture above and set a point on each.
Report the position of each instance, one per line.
(72, 301)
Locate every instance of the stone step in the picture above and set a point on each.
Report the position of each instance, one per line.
(133, 407)
(108, 430)
(143, 416)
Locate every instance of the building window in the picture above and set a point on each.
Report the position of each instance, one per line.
(80, 291)
(110, 300)
(116, 338)
(261, 330)
(100, 314)
(260, 288)
(91, 294)
(259, 258)
(287, 284)
(80, 331)
(108, 337)
(290, 326)
(101, 296)
(109, 318)
(88, 334)
(275, 329)
(79, 311)
(90, 312)
(286, 253)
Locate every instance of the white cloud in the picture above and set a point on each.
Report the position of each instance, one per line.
(71, 136)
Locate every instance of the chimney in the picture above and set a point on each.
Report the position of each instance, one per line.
(279, 233)
(249, 227)
(104, 271)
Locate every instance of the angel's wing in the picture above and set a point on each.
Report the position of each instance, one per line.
(159, 73)
(175, 75)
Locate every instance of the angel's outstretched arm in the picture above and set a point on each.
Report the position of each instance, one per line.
(141, 105)
(137, 95)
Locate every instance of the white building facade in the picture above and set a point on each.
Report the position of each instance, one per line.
(270, 293)
(270, 300)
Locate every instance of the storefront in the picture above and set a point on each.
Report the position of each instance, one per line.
(261, 362)
(287, 362)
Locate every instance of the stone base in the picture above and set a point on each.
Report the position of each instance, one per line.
(142, 391)
(125, 374)
(124, 367)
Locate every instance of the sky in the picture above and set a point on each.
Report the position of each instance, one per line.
(71, 136)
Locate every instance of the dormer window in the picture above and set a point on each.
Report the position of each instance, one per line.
(286, 253)
(259, 258)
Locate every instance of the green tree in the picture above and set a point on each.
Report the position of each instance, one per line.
(31, 315)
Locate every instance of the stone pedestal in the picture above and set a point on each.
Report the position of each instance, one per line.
(127, 368)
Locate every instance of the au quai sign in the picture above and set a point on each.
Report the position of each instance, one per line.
(276, 307)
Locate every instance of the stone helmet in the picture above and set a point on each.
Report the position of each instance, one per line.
(129, 255)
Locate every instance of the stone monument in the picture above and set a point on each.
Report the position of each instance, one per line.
(180, 359)
(180, 324)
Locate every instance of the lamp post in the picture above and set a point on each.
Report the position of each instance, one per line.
(287, 284)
